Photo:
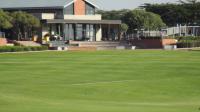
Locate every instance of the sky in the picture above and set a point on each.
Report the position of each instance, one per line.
(128, 4)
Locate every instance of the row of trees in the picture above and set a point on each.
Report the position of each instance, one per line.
(185, 12)
(156, 16)
(135, 19)
(18, 23)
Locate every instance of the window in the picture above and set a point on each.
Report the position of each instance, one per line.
(69, 10)
(90, 10)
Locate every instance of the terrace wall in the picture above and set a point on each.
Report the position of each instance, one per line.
(153, 43)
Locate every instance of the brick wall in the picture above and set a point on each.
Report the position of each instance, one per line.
(79, 7)
(3, 41)
(153, 43)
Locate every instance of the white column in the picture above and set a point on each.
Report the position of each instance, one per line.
(99, 33)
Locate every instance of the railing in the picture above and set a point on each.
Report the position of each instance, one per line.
(147, 34)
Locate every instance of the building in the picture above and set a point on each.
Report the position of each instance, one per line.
(69, 19)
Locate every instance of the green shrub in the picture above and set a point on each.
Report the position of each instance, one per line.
(188, 41)
(21, 48)
(33, 48)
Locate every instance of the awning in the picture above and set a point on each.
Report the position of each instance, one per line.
(116, 22)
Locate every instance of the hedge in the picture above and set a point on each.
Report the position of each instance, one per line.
(188, 44)
(188, 41)
(22, 48)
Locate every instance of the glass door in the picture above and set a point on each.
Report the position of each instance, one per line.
(79, 32)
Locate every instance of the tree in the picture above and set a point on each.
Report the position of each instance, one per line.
(5, 20)
(123, 29)
(113, 15)
(193, 7)
(24, 23)
(186, 12)
(140, 19)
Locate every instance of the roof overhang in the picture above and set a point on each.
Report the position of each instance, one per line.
(68, 4)
(92, 4)
(116, 22)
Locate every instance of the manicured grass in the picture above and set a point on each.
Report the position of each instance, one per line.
(103, 81)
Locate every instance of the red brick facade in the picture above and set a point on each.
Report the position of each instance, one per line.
(3, 41)
(79, 7)
(153, 43)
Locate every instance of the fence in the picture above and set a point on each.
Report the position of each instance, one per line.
(168, 32)
(145, 35)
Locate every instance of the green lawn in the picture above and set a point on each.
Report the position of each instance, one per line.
(103, 81)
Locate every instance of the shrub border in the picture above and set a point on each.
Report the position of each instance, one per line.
(22, 48)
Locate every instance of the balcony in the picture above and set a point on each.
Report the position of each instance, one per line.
(82, 17)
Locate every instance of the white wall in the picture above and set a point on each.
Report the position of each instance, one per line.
(48, 15)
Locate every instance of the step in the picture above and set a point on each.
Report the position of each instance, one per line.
(106, 48)
(85, 43)
(105, 45)
(57, 44)
(76, 48)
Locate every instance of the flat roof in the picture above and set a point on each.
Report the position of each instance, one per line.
(84, 21)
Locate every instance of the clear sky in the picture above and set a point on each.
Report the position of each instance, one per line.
(130, 4)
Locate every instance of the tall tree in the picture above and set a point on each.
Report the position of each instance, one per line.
(5, 20)
(140, 19)
(193, 7)
(123, 29)
(113, 14)
(186, 12)
(24, 23)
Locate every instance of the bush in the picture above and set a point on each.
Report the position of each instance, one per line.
(27, 48)
(188, 41)
(21, 48)
(188, 44)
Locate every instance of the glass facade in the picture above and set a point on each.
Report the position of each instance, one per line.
(69, 10)
(89, 9)
(79, 32)
(68, 32)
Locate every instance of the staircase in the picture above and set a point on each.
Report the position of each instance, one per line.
(57, 44)
(103, 45)
(27, 43)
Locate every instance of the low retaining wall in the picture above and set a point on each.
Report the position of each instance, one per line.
(3, 41)
(76, 48)
(153, 43)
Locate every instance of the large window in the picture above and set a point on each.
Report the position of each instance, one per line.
(69, 10)
(89, 9)
(79, 31)
(69, 32)
(90, 32)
